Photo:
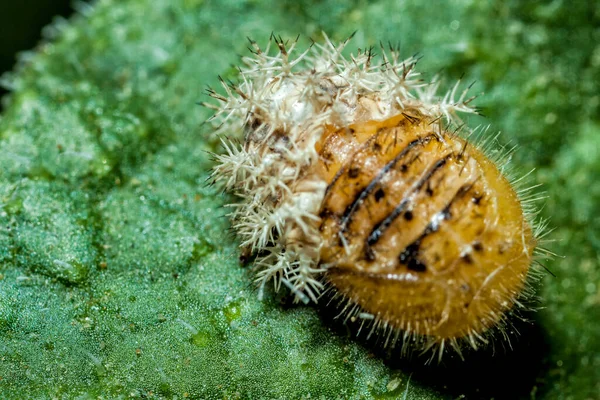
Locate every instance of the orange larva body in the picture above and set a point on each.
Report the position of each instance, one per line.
(421, 230)
(348, 183)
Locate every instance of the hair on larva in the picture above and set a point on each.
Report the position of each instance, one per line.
(356, 179)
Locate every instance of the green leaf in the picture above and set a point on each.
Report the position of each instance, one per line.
(118, 277)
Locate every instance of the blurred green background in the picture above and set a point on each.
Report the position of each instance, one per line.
(21, 25)
(118, 278)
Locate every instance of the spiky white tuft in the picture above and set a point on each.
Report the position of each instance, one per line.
(279, 110)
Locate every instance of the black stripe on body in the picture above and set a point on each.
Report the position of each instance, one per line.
(351, 209)
(344, 167)
(410, 255)
(383, 225)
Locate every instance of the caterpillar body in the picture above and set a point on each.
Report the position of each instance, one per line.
(355, 178)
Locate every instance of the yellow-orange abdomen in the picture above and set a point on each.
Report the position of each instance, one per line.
(421, 230)
(347, 181)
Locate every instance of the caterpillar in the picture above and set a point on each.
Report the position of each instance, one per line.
(356, 179)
